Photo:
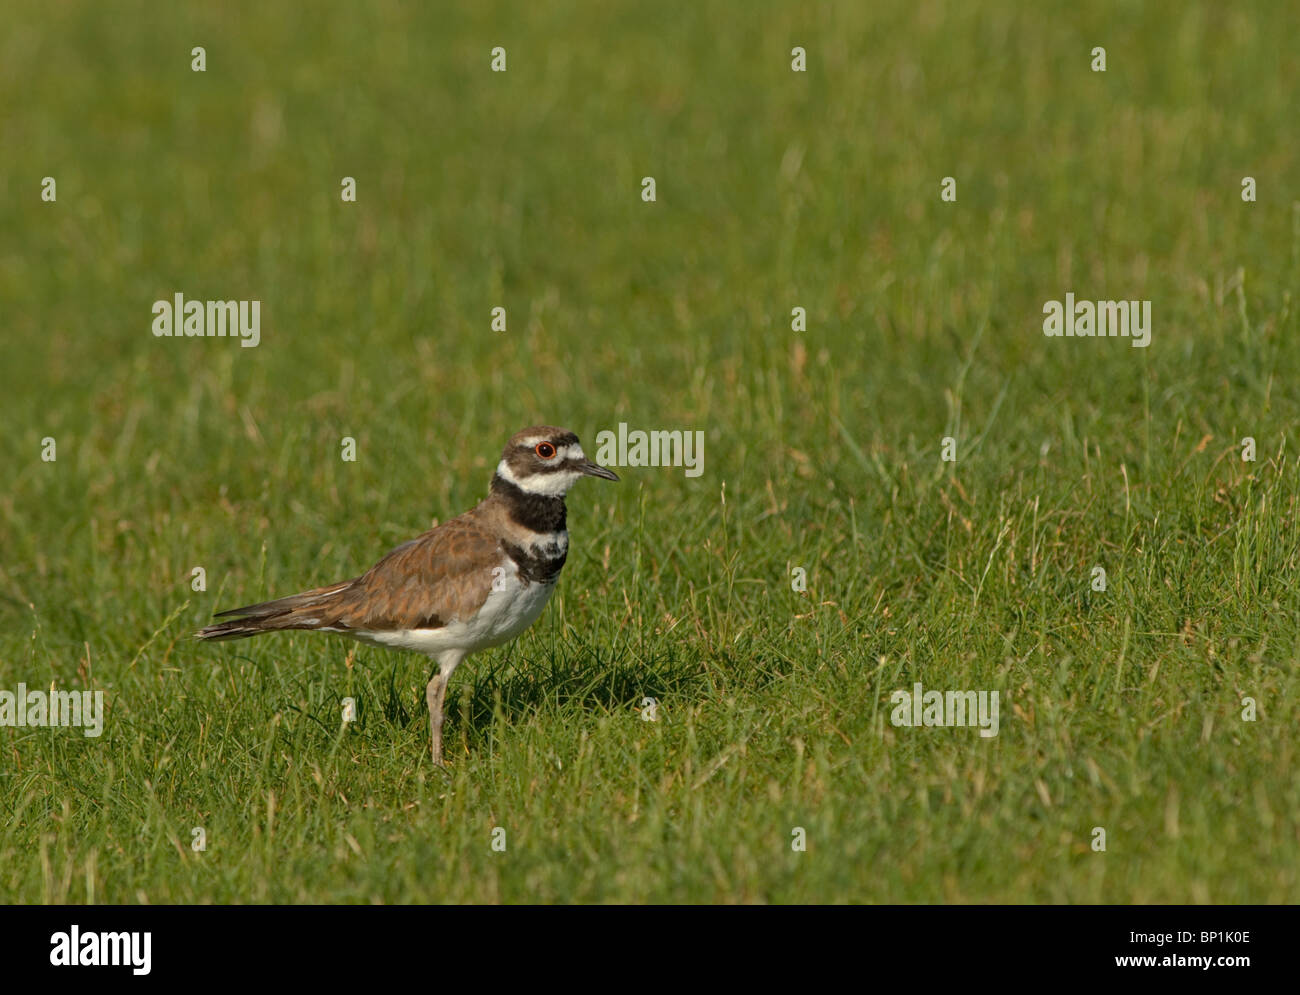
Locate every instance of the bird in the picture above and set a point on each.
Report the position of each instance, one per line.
(468, 584)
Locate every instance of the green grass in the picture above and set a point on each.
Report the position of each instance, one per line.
(1121, 709)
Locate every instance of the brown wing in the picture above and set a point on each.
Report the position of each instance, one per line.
(442, 576)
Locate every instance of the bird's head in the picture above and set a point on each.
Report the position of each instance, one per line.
(547, 461)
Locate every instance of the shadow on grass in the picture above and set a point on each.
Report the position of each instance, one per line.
(390, 695)
(594, 682)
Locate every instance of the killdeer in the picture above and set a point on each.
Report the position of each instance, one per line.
(476, 581)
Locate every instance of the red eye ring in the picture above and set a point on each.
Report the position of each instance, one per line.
(545, 450)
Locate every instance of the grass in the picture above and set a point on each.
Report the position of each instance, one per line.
(1122, 709)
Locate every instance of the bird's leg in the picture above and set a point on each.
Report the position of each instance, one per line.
(435, 694)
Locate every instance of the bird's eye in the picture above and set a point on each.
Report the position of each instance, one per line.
(545, 450)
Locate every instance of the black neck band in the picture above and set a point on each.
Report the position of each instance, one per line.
(537, 512)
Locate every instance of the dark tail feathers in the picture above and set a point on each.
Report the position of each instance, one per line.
(309, 610)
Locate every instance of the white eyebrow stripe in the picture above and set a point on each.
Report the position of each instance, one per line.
(533, 441)
(571, 451)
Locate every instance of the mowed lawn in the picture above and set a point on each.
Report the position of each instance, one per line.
(1162, 710)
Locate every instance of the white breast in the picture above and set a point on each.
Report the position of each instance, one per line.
(505, 614)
